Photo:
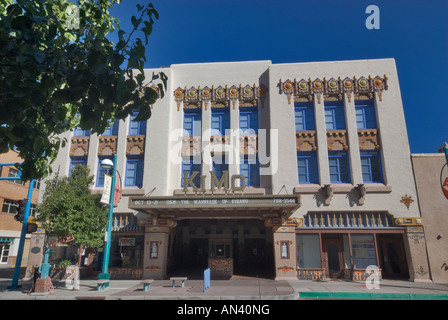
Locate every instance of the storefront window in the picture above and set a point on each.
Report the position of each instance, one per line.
(363, 250)
(128, 251)
(308, 251)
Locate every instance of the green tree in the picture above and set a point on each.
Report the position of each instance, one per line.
(70, 209)
(59, 70)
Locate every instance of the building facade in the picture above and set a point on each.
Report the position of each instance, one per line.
(297, 170)
(431, 178)
(11, 191)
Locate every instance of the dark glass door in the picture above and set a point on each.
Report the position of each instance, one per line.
(332, 252)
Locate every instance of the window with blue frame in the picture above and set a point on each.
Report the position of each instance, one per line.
(307, 167)
(219, 166)
(78, 132)
(101, 171)
(304, 116)
(371, 167)
(365, 114)
(136, 127)
(134, 171)
(77, 161)
(220, 121)
(192, 122)
(112, 130)
(339, 167)
(250, 169)
(248, 121)
(334, 115)
(189, 165)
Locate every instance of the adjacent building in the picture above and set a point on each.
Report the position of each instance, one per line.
(298, 170)
(431, 178)
(12, 191)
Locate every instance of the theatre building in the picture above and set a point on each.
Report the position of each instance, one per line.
(287, 171)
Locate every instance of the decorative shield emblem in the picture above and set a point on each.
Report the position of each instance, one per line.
(445, 187)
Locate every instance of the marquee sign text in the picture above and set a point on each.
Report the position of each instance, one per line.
(214, 182)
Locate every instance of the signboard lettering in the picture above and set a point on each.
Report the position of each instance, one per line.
(211, 202)
(214, 182)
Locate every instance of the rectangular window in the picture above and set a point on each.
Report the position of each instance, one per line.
(77, 160)
(37, 184)
(192, 123)
(307, 167)
(339, 167)
(304, 116)
(112, 130)
(363, 249)
(4, 251)
(78, 132)
(189, 165)
(334, 115)
(219, 165)
(220, 121)
(101, 171)
(371, 167)
(248, 121)
(136, 127)
(365, 114)
(134, 172)
(250, 169)
(14, 173)
(9, 206)
(308, 251)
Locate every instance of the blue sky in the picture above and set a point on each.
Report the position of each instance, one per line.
(414, 32)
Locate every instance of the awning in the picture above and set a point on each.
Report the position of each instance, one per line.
(6, 239)
(215, 207)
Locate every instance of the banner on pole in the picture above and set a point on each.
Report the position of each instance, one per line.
(105, 198)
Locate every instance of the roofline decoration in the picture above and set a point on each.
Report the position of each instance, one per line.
(333, 87)
(220, 94)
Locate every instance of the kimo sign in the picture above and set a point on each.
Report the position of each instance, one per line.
(214, 182)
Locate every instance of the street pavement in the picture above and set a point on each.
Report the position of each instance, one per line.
(234, 289)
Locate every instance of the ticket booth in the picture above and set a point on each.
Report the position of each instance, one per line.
(220, 259)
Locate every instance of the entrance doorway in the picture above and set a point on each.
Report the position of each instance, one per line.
(246, 244)
(332, 255)
(392, 257)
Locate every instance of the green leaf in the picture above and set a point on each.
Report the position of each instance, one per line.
(39, 56)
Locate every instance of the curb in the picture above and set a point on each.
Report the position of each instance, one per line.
(369, 296)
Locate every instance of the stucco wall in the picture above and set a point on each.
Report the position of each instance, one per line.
(397, 170)
(434, 209)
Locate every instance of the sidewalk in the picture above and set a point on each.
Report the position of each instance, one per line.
(241, 289)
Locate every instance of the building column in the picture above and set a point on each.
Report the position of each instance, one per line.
(234, 140)
(206, 148)
(321, 140)
(155, 257)
(353, 141)
(415, 249)
(285, 253)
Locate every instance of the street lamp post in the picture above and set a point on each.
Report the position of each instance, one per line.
(107, 241)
